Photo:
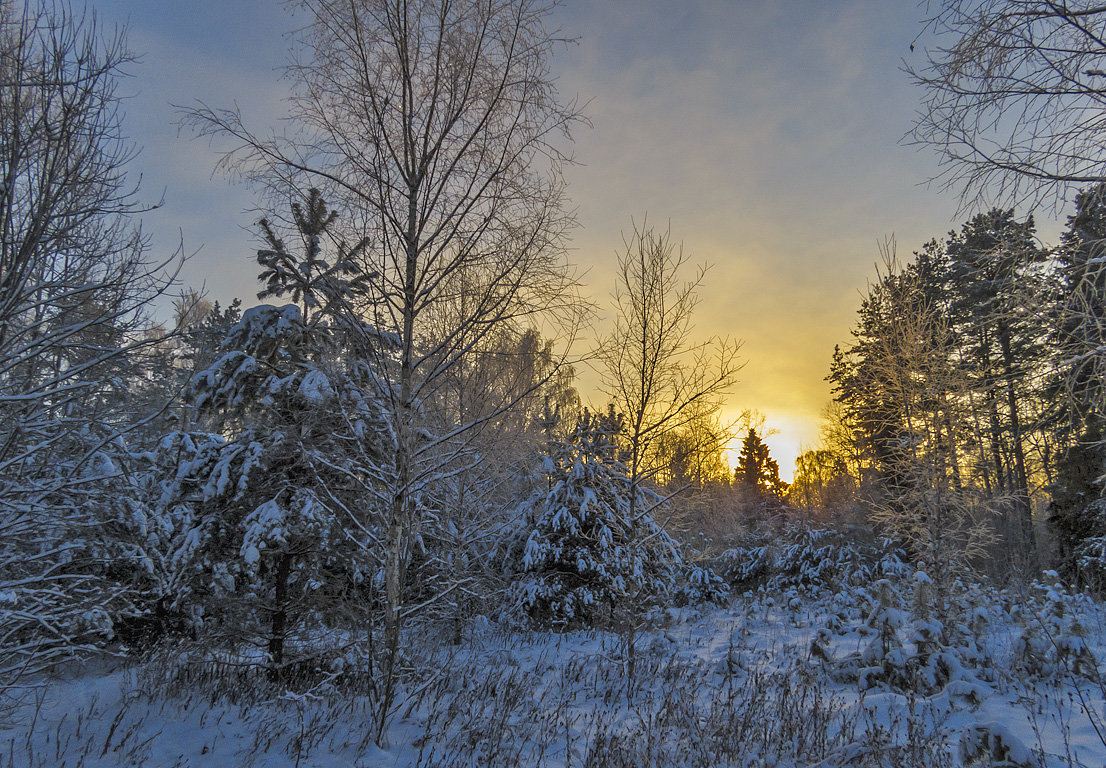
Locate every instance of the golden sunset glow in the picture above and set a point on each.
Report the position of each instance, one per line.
(786, 436)
(760, 153)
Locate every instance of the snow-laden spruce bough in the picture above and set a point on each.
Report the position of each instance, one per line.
(826, 654)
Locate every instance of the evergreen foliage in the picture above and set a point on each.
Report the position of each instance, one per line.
(909, 404)
(1075, 511)
(992, 279)
(312, 281)
(1075, 392)
(1080, 334)
(586, 556)
(756, 468)
(274, 513)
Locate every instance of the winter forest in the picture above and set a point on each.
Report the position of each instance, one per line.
(429, 498)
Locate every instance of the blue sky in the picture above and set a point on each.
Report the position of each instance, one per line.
(768, 134)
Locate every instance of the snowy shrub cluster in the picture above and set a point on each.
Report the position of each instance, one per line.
(917, 639)
(1053, 640)
(915, 650)
(700, 584)
(810, 558)
(70, 570)
(994, 744)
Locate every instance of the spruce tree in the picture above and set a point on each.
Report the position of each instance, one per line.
(590, 554)
(1076, 389)
(756, 469)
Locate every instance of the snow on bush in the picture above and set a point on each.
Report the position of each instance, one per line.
(1053, 639)
(588, 551)
(912, 640)
(994, 744)
(811, 558)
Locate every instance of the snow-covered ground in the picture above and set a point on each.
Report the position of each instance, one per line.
(868, 676)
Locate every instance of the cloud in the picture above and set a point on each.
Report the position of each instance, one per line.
(211, 216)
(767, 134)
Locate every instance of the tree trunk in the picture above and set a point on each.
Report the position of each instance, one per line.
(395, 570)
(993, 423)
(278, 621)
(951, 450)
(1022, 508)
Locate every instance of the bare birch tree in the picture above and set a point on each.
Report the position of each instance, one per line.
(74, 281)
(437, 126)
(655, 372)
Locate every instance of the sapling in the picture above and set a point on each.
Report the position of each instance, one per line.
(883, 657)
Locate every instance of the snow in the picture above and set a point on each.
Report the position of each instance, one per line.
(315, 388)
(265, 526)
(732, 685)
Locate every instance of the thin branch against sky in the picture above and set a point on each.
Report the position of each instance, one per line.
(768, 135)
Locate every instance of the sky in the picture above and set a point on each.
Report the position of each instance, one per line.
(767, 135)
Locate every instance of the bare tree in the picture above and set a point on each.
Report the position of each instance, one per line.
(74, 281)
(822, 487)
(1014, 96)
(655, 372)
(437, 126)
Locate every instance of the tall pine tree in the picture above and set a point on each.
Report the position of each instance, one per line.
(993, 266)
(1076, 390)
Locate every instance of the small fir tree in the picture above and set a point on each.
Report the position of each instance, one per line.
(586, 555)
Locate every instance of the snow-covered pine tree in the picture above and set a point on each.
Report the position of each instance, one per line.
(585, 557)
(272, 514)
(1077, 394)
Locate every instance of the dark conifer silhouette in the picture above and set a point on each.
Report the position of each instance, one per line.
(756, 468)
